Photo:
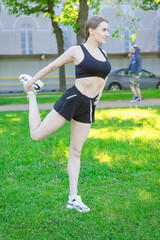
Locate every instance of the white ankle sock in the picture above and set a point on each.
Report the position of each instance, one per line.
(30, 92)
(71, 197)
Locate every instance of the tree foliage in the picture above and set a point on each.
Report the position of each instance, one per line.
(144, 4)
(126, 10)
(150, 5)
(75, 13)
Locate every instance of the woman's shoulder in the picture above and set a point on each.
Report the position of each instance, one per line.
(74, 48)
(73, 53)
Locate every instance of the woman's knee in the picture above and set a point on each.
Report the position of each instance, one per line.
(35, 136)
(75, 151)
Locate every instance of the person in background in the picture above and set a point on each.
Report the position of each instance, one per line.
(135, 68)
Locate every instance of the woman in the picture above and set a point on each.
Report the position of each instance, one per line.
(77, 104)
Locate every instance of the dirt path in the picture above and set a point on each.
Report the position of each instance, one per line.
(101, 104)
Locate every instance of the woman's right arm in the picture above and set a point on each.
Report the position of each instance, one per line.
(67, 57)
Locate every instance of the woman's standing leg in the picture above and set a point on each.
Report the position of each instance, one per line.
(52, 122)
(79, 133)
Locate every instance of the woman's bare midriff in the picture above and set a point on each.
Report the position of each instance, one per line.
(90, 86)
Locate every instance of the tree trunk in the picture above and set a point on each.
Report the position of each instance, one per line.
(82, 18)
(60, 42)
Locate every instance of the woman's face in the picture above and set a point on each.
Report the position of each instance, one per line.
(101, 33)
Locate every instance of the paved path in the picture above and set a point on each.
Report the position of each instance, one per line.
(101, 104)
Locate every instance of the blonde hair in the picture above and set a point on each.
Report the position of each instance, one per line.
(93, 22)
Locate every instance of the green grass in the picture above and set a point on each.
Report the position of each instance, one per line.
(53, 97)
(119, 179)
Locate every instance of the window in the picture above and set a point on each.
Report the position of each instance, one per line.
(145, 74)
(128, 43)
(158, 36)
(66, 36)
(119, 73)
(26, 39)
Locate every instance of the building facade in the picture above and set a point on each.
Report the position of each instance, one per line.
(27, 35)
(24, 39)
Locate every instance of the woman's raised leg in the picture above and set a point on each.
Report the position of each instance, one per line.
(52, 122)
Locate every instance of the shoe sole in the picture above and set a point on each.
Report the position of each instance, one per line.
(77, 208)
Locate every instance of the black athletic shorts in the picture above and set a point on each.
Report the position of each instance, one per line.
(73, 104)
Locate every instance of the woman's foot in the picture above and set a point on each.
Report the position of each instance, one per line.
(75, 202)
(24, 78)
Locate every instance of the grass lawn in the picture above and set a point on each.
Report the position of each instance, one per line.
(53, 97)
(119, 179)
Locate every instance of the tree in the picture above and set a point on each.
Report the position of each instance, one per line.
(83, 16)
(77, 10)
(81, 20)
(37, 7)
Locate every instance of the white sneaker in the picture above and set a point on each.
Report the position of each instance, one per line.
(76, 202)
(37, 85)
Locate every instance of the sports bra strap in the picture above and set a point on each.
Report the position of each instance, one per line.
(102, 52)
(83, 49)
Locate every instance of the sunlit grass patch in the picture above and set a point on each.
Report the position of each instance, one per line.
(128, 137)
(103, 157)
(126, 124)
(145, 195)
(12, 117)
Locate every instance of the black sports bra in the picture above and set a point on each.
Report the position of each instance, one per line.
(91, 67)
